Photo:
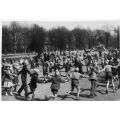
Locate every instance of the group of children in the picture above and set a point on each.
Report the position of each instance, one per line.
(73, 65)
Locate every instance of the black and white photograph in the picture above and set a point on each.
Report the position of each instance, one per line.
(60, 61)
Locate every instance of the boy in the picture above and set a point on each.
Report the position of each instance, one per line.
(75, 76)
(109, 76)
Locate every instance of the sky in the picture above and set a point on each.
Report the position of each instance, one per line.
(69, 24)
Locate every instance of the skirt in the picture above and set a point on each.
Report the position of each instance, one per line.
(7, 84)
(15, 81)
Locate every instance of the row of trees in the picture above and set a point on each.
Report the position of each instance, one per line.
(18, 38)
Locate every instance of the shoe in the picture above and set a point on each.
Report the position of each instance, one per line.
(77, 97)
(6, 94)
(18, 94)
(44, 81)
(54, 98)
(95, 95)
(69, 92)
(11, 94)
(46, 98)
(81, 90)
(91, 96)
(14, 92)
(32, 99)
(27, 99)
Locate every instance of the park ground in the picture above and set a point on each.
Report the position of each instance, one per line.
(43, 89)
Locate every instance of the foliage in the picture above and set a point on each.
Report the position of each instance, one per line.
(17, 38)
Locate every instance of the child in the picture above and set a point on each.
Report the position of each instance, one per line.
(33, 83)
(51, 67)
(75, 76)
(46, 66)
(67, 65)
(55, 86)
(118, 72)
(89, 61)
(93, 79)
(8, 85)
(15, 80)
(109, 76)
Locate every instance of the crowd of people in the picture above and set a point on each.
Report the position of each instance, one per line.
(97, 62)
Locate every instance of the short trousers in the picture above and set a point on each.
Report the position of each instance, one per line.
(75, 83)
(108, 76)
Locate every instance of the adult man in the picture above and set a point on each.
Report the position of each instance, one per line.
(23, 73)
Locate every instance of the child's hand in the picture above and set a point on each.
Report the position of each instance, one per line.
(66, 80)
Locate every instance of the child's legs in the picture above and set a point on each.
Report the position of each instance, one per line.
(107, 86)
(119, 81)
(113, 84)
(55, 93)
(68, 74)
(78, 91)
(15, 88)
(72, 87)
(92, 87)
(33, 94)
(6, 91)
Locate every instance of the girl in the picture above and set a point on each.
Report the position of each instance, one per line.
(16, 68)
(8, 85)
(33, 83)
(55, 86)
